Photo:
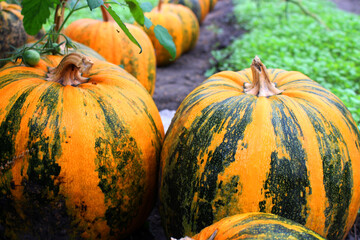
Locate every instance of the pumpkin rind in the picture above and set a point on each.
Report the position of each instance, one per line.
(111, 42)
(205, 8)
(256, 226)
(296, 155)
(75, 162)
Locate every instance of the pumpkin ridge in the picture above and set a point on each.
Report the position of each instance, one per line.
(117, 215)
(340, 197)
(10, 126)
(189, 162)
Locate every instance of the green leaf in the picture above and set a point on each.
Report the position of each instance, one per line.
(94, 3)
(122, 26)
(146, 6)
(147, 22)
(136, 11)
(165, 39)
(35, 13)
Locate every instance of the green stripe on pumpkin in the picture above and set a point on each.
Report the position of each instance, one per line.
(41, 204)
(191, 142)
(45, 149)
(10, 126)
(123, 189)
(290, 198)
(337, 172)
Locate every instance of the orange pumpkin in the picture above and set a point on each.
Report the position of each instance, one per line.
(79, 143)
(190, 25)
(199, 7)
(111, 42)
(256, 225)
(261, 140)
(181, 24)
(172, 22)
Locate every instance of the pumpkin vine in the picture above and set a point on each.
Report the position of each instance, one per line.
(54, 41)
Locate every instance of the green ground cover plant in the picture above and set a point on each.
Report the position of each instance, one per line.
(324, 45)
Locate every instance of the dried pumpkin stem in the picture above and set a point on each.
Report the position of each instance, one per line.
(70, 70)
(261, 85)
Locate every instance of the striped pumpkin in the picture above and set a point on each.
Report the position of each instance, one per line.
(74, 161)
(200, 8)
(110, 41)
(239, 144)
(194, 5)
(181, 24)
(12, 33)
(256, 226)
(172, 22)
(189, 23)
(16, 10)
(205, 8)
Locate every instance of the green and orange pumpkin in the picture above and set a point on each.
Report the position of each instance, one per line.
(80, 142)
(261, 140)
(255, 226)
(106, 38)
(181, 24)
(200, 8)
(190, 26)
(12, 32)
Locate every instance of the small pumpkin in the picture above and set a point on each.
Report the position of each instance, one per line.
(199, 7)
(255, 226)
(261, 140)
(205, 8)
(74, 161)
(12, 33)
(181, 24)
(190, 26)
(172, 22)
(108, 40)
(194, 5)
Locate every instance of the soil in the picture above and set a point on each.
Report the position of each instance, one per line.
(175, 81)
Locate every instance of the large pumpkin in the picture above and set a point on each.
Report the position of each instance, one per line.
(256, 226)
(12, 33)
(79, 152)
(261, 140)
(105, 37)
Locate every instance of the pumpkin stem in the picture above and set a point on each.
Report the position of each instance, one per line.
(159, 5)
(105, 14)
(70, 70)
(261, 85)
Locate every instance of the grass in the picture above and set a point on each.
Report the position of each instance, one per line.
(292, 40)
